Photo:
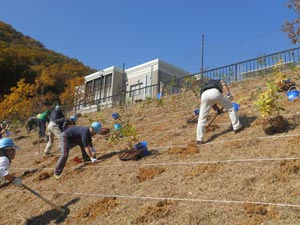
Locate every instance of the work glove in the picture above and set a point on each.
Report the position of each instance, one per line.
(17, 182)
(229, 96)
(93, 160)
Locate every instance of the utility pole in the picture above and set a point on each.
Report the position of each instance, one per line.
(202, 60)
(123, 88)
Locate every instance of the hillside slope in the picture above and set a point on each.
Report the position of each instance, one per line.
(51, 73)
(243, 179)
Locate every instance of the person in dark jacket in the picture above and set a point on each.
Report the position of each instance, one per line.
(73, 136)
(55, 128)
(211, 94)
(57, 113)
(31, 124)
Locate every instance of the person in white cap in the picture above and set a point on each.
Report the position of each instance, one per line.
(7, 154)
(74, 136)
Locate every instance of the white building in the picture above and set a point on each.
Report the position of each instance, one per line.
(106, 87)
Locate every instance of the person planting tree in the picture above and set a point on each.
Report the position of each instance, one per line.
(55, 128)
(73, 136)
(7, 154)
(212, 94)
(43, 118)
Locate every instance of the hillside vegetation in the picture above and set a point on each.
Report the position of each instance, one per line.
(33, 77)
(247, 178)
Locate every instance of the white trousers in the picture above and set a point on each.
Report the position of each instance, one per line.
(208, 99)
(53, 131)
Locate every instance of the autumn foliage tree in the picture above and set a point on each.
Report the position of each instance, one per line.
(72, 93)
(34, 78)
(18, 104)
(292, 28)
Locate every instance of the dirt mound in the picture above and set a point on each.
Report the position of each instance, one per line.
(151, 214)
(148, 173)
(88, 214)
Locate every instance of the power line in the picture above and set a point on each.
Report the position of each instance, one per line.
(227, 44)
(246, 39)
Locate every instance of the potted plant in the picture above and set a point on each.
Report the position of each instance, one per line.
(123, 130)
(269, 109)
(282, 81)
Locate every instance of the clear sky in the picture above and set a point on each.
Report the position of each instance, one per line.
(104, 33)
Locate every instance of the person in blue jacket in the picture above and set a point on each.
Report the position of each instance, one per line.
(74, 136)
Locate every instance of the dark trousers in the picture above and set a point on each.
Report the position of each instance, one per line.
(42, 127)
(65, 146)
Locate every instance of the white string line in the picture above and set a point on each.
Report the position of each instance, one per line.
(166, 120)
(233, 140)
(234, 90)
(168, 131)
(180, 130)
(184, 111)
(189, 103)
(170, 120)
(209, 143)
(174, 163)
(166, 198)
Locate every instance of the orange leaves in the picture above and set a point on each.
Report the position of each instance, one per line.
(19, 103)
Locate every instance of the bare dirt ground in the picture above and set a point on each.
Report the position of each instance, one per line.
(244, 179)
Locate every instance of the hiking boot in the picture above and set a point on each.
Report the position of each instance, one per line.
(239, 130)
(57, 176)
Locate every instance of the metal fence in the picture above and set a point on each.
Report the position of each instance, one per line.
(255, 67)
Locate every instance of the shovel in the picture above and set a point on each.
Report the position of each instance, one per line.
(46, 200)
(214, 117)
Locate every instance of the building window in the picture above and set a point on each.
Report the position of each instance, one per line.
(136, 90)
(98, 85)
(108, 84)
(89, 95)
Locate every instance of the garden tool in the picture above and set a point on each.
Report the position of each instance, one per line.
(214, 117)
(46, 200)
